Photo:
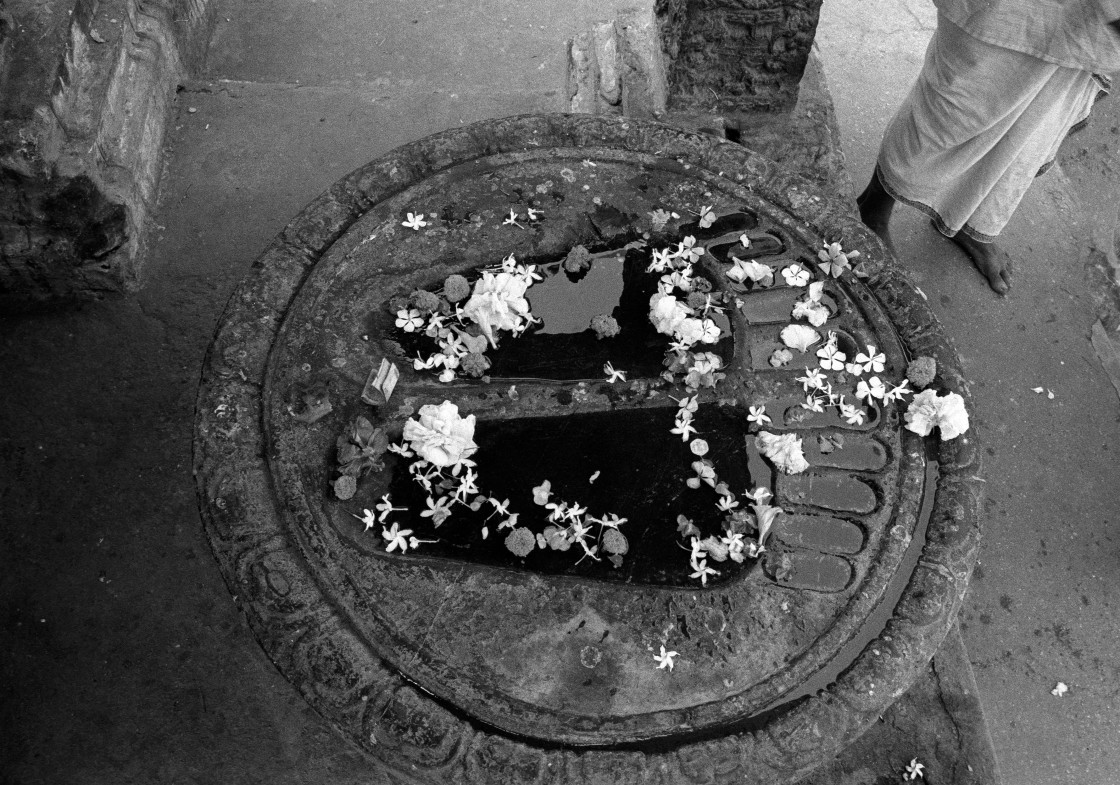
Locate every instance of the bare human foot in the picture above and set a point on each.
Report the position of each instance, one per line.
(990, 259)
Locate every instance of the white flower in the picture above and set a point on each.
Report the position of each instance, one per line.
(759, 495)
(929, 410)
(799, 337)
(611, 521)
(814, 312)
(689, 250)
(707, 217)
(1060, 689)
(711, 332)
(740, 271)
(385, 508)
(831, 358)
(781, 358)
(699, 447)
(662, 261)
(511, 220)
(872, 388)
(687, 404)
(467, 485)
(368, 518)
(498, 303)
(812, 380)
(396, 537)
(441, 436)
(855, 369)
(705, 472)
(872, 361)
(684, 428)
(726, 504)
(702, 571)
(689, 330)
(764, 516)
(758, 415)
(666, 312)
(559, 510)
(896, 393)
(665, 659)
(613, 375)
(575, 512)
(853, 415)
(744, 241)
(409, 320)
(816, 291)
(439, 510)
(542, 492)
(679, 279)
(813, 403)
(913, 770)
(415, 221)
(534, 215)
(834, 260)
(784, 450)
(795, 275)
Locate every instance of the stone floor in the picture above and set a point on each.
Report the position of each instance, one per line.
(125, 659)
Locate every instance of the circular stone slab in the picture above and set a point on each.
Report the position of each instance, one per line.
(458, 657)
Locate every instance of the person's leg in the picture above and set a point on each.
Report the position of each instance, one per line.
(875, 206)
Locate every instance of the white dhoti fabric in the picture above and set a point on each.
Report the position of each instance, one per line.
(980, 123)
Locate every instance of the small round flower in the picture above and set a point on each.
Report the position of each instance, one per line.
(424, 301)
(456, 288)
(699, 447)
(615, 542)
(921, 371)
(475, 364)
(521, 542)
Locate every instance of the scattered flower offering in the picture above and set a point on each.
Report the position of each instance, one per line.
(1060, 689)
(914, 770)
(689, 306)
(613, 375)
(665, 659)
(415, 221)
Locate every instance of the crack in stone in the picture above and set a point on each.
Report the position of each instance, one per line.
(952, 717)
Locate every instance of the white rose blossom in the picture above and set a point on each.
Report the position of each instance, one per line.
(498, 303)
(784, 450)
(441, 436)
(929, 410)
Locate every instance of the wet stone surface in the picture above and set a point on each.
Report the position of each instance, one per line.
(518, 652)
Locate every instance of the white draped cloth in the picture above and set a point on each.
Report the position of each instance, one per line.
(980, 123)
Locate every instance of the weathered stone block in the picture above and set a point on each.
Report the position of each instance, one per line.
(85, 92)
